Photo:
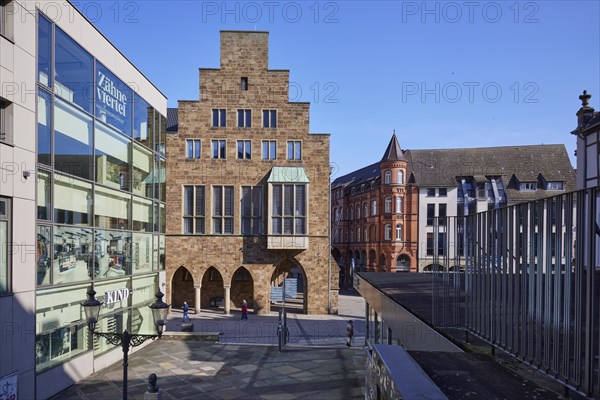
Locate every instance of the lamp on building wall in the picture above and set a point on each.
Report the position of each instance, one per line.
(126, 340)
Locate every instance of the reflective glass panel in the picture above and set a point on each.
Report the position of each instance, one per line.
(73, 255)
(143, 164)
(114, 100)
(72, 201)
(141, 253)
(44, 51)
(111, 208)
(44, 127)
(72, 140)
(142, 214)
(44, 196)
(113, 254)
(112, 158)
(143, 117)
(43, 254)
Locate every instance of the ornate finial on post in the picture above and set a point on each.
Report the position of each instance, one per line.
(585, 97)
(152, 388)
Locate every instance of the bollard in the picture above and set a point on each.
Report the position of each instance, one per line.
(153, 392)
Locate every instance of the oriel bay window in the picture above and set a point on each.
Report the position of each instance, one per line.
(289, 209)
(223, 210)
(252, 210)
(193, 210)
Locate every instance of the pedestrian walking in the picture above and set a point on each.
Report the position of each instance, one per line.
(349, 333)
(244, 310)
(186, 309)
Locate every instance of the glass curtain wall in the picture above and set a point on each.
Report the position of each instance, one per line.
(100, 199)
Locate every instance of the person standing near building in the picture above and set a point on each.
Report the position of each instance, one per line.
(186, 309)
(349, 333)
(244, 310)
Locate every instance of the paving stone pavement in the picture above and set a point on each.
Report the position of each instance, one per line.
(245, 364)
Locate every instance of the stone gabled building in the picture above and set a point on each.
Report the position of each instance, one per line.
(248, 189)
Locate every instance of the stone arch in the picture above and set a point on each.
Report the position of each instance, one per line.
(182, 288)
(213, 291)
(291, 268)
(242, 288)
(433, 268)
(403, 263)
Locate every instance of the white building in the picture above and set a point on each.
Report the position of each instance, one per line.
(81, 195)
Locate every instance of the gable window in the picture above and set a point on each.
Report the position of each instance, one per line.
(222, 210)
(219, 149)
(269, 118)
(387, 177)
(387, 232)
(528, 186)
(294, 150)
(388, 205)
(289, 210)
(374, 207)
(5, 255)
(400, 177)
(398, 231)
(251, 210)
(269, 150)
(244, 83)
(193, 148)
(244, 149)
(398, 205)
(555, 186)
(430, 192)
(219, 118)
(244, 118)
(193, 210)
(6, 122)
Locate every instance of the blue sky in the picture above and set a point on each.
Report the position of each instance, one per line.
(443, 74)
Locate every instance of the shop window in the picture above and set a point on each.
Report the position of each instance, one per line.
(193, 210)
(43, 254)
(113, 161)
(219, 118)
(222, 210)
(251, 210)
(73, 138)
(244, 149)
(6, 121)
(244, 118)
(56, 347)
(294, 150)
(289, 210)
(74, 75)
(113, 254)
(141, 253)
(269, 118)
(269, 150)
(219, 149)
(44, 127)
(193, 149)
(5, 240)
(244, 83)
(73, 255)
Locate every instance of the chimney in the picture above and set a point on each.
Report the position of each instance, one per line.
(585, 113)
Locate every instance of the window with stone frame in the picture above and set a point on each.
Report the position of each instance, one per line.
(193, 210)
(398, 205)
(244, 149)
(387, 205)
(387, 177)
(219, 149)
(222, 217)
(387, 232)
(193, 148)
(244, 118)
(269, 118)
(252, 206)
(399, 232)
(400, 177)
(373, 207)
(219, 118)
(269, 149)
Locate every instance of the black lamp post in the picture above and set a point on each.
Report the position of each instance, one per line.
(126, 340)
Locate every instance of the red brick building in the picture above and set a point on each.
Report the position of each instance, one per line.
(374, 217)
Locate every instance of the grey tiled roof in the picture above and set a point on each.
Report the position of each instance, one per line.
(363, 175)
(172, 119)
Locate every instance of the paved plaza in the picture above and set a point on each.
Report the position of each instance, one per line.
(246, 363)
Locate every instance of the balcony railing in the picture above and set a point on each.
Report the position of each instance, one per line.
(531, 283)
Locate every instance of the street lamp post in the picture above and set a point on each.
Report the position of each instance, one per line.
(126, 340)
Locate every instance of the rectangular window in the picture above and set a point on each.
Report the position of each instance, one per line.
(44, 51)
(44, 195)
(244, 83)
(430, 192)
(113, 160)
(442, 192)
(223, 210)
(193, 210)
(528, 186)
(251, 210)
(429, 243)
(294, 150)
(441, 243)
(387, 232)
(430, 214)
(219, 148)
(244, 149)
(6, 122)
(269, 118)
(219, 118)
(442, 213)
(193, 148)
(555, 186)
(44, 127)
(5, 258)
(244, 118)
(289, 210)
(73, 139)
(269, 150)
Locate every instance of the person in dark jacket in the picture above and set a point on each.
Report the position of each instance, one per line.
(186, 309)
(244, 310)
(349, 333)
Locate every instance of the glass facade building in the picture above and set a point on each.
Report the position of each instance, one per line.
(100, 199)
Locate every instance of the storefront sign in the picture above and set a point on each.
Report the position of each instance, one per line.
(110, 95)
(114, 296)
(114, 100)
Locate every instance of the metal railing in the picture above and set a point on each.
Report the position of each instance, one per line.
(526, 279)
